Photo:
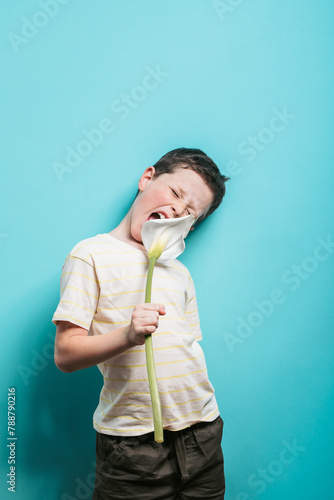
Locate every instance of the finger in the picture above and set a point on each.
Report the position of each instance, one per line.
(152, 321)
(146, 329)
(150, 329)
(160, 308)
(153, 307)
(146, 317)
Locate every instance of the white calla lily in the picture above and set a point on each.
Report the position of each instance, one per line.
(163, 240)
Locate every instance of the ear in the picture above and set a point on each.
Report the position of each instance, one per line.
(146, 178)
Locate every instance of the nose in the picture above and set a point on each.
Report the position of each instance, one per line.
(179, 208)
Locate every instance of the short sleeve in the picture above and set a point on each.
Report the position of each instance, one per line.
(192, 315)
(79, 293)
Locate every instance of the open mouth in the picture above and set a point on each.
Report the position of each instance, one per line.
(157, 215)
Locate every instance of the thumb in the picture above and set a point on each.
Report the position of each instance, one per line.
(162, 310)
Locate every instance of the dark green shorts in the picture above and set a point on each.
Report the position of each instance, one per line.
(188, 465)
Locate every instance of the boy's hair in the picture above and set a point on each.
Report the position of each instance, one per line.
(199, 162)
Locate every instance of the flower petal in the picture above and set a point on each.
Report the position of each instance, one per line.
(165, 237)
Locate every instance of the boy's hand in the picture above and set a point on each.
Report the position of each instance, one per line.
(144, 320)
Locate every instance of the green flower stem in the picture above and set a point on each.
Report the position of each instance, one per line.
(152, 378)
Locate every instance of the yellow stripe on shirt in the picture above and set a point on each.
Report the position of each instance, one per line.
(156, 364)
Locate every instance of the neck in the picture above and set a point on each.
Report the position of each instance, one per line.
(122, 232)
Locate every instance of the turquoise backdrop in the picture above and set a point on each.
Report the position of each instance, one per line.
(93, 93)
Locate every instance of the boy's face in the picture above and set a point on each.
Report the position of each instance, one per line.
(177, 194)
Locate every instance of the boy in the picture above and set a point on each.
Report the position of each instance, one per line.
(101, 319)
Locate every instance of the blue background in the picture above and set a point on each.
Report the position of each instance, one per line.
(226, 70)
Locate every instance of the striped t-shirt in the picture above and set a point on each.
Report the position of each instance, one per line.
(103, 279)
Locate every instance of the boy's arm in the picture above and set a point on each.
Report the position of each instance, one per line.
(75, 349)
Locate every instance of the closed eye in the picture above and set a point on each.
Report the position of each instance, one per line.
(177, 196)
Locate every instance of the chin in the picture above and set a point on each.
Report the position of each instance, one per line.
(136, 235)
